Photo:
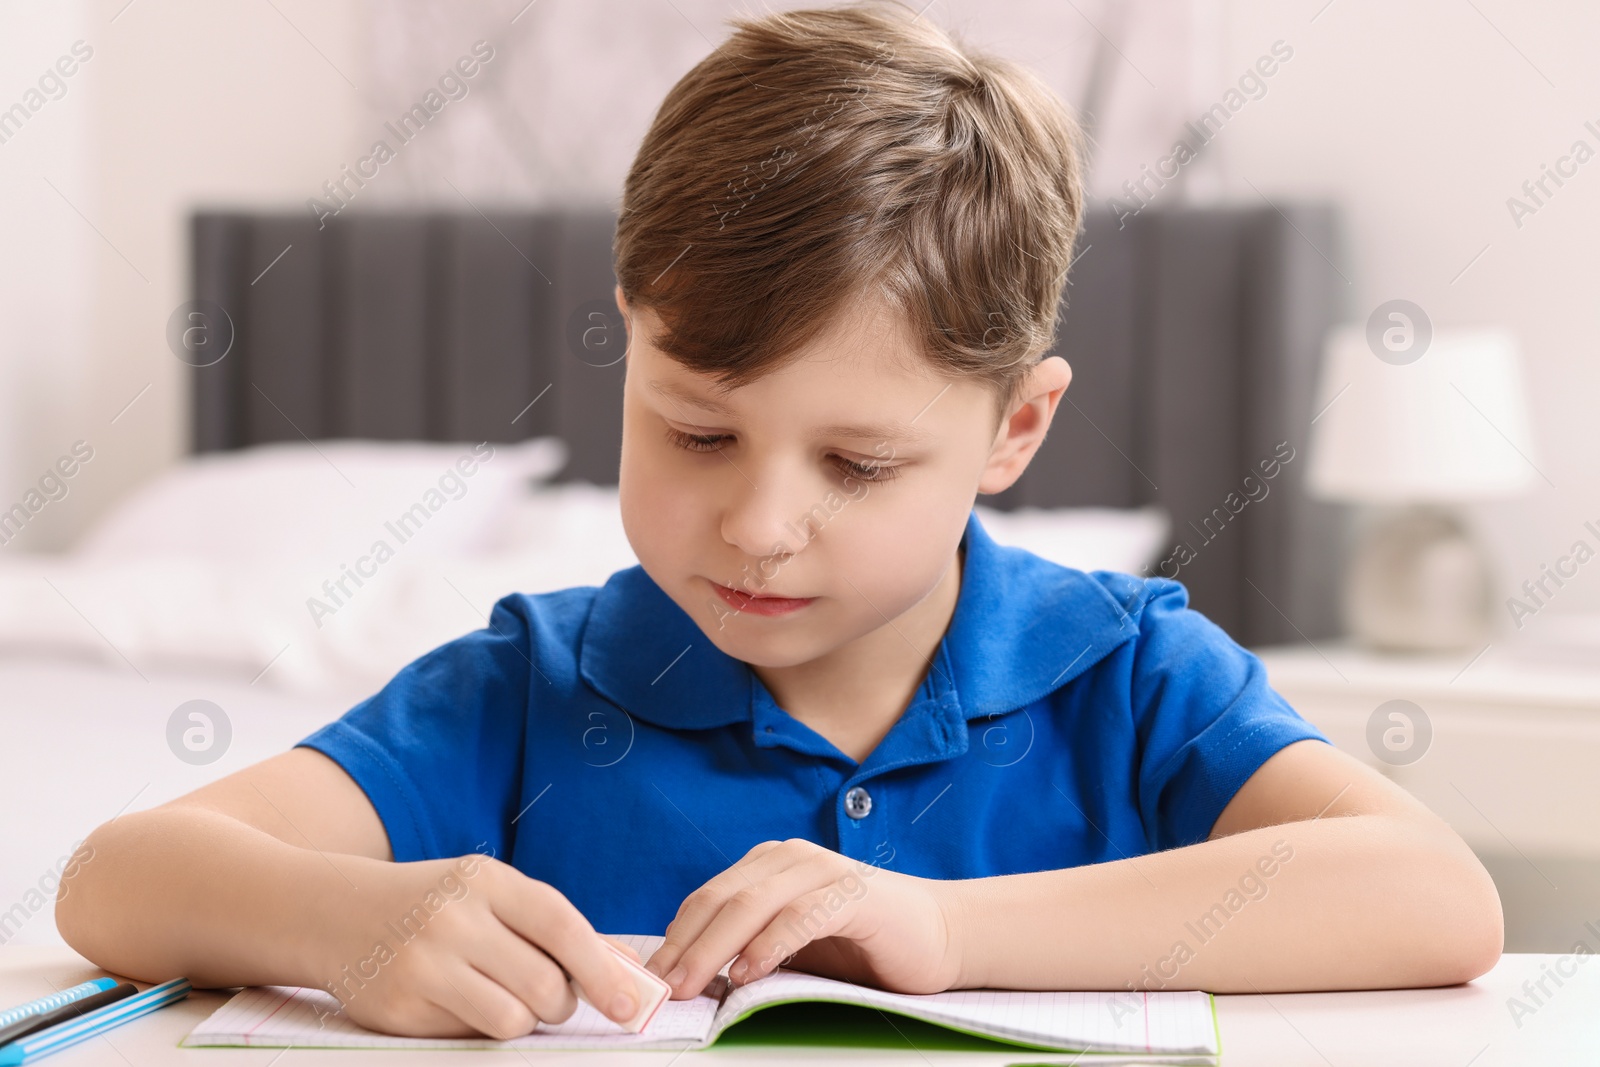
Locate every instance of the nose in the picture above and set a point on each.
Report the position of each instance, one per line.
(764, 516)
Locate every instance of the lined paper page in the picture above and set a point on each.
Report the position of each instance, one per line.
(1178, 1022)
(279, 1016)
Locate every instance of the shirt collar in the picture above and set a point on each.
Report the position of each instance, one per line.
(1022, 627)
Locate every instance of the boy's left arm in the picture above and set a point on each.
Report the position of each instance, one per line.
(1318, 874)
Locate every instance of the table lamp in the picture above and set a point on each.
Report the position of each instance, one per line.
(1414, 436)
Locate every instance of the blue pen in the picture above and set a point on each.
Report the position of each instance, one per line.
(44, 1042)
(54, 1000)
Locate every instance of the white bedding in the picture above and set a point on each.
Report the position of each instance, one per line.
(272, 616)
(197, 587)
(284, 565)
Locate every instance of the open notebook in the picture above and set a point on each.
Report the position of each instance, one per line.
(1182, 1023)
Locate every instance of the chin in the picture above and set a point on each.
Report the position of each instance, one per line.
(760, 645)
(768, 653)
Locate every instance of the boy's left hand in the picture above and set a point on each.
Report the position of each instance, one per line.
(795, 901)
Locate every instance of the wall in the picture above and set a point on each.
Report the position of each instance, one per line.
(1420, 118)
(181, 103)
(1423, 119)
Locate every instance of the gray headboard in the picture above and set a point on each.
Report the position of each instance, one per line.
(1193, 335)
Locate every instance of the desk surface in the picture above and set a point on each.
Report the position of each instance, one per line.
(1457, 1026)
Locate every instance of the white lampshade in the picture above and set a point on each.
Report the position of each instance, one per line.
(1450, 426)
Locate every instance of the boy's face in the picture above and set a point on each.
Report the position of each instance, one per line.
(841, 481)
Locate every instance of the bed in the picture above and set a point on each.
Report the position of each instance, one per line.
(1193, 336)
(365, 360)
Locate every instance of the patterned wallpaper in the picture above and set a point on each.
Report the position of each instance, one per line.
(558, 110)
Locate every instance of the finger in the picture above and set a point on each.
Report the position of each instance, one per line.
(808, 918)
(540, 914)
(741, 918)
(526, 972)
(699, 907)
(483, 1004)
(414, 1013)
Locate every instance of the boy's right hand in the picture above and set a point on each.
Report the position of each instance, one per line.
(466, 947)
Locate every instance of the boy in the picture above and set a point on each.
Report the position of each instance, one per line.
(827, 721)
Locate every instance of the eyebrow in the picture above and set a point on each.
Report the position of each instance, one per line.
(867, 432)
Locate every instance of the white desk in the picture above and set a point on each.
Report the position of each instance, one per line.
(1451, 1027)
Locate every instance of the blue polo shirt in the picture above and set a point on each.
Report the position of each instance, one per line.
(598, 741)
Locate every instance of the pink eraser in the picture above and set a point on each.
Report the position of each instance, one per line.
(651, 990)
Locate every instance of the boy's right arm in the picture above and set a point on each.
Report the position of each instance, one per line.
(281, 874)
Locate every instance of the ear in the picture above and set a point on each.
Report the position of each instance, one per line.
(627, 325)
(1022, 430)
(622, 306)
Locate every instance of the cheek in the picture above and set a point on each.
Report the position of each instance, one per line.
(898, 545)
(662, 512)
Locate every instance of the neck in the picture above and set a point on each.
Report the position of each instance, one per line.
(856, 693)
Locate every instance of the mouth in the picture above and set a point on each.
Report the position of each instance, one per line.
(752, 604)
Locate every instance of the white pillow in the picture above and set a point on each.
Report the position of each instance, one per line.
(584, 522)
(298, 500)
(1088, 539)
(577, 522)
(215, 562)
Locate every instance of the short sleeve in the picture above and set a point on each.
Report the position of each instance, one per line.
(438, 750)
(1205, 716)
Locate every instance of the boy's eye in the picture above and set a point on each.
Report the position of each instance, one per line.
(867, 472)
(695, 442)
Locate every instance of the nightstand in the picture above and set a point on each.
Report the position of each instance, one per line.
(1512, 763)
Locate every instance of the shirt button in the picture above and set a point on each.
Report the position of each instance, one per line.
(857, 803)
